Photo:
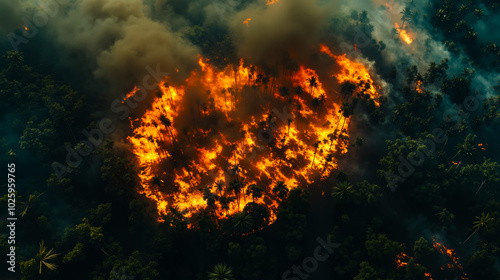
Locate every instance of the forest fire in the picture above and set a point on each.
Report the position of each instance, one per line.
(450, 253)
(271, 2)
(286, 141)
(403, 34)
(246, 21)
(402, 260)
(419, 87)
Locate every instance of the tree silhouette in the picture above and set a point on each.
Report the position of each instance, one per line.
(45, 256)
(281, 189)
(313, 83)
(480, 222)
(221, 271)
(344, 191)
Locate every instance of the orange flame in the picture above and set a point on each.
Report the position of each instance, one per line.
(246, 21)
(402, 261)
(450, 253)
(418, 87)
(354, 72)
(176, 165)
(130, 94)
(271, 2)
(403, 34)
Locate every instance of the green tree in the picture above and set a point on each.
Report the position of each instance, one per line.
(221, 271)
(255, 191)
(45, 257)
(281, 190)
(344, 191)
(421, 248)
(480, 222)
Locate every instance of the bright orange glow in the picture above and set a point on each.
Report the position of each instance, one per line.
(270, 2)
(455, 264)
(176, 164)
(455, 163)
(402, 261)
(353, 72)
(26, 28)
(482, 146)
(130, 94)
(246, 21)
(418, 87)
(403, 34)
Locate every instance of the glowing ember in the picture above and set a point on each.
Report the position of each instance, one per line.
(270, 2)
(482, 146)
(403, 34)
(402, 260)
(214, 162)
(450, 253)
(387, 6)
(246, 21)
(130, 94)
(418, 87)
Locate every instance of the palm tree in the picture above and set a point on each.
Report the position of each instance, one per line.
(255, 191)
(235, 186)
(27, 204)
(220, 186)
(242, 222)
(344, 191)
(46, 256)
(328, 159)
(221, 271)
(298, 91)
(210, 197)
(315, 103)
(331, 137)
(281, 189)
(480, 222)
(224, 203)
(322, 101)
(168, 125)
(313, 83)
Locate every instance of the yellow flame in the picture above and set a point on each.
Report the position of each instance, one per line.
(175, 166)
(403, 34)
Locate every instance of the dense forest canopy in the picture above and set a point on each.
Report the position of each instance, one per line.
(283, 139)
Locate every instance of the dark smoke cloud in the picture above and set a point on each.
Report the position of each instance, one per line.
(121, 40)
(11, 16)
(292, 26)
